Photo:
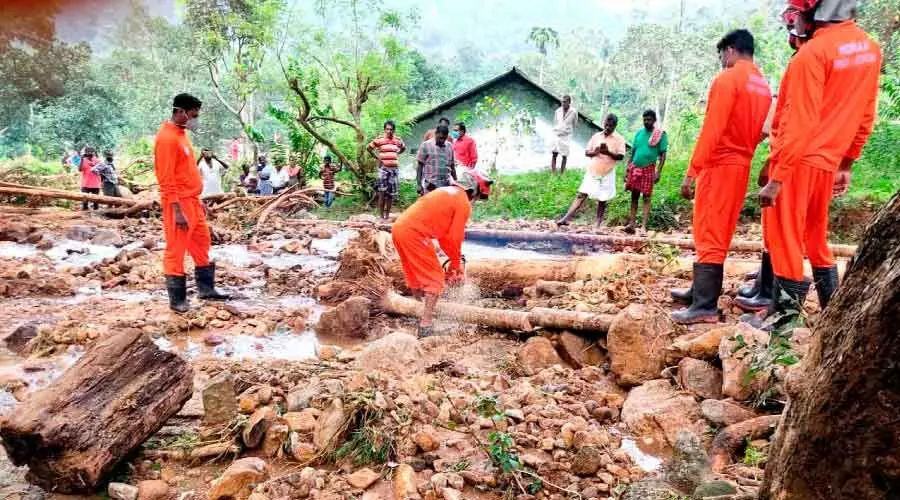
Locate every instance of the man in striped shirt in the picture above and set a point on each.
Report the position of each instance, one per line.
(327, 175)
(386, 149)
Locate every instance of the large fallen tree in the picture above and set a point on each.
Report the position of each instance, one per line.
(72, 433)
(503, 319)
(840, 432)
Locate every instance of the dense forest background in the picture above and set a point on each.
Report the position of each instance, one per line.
(328, 72)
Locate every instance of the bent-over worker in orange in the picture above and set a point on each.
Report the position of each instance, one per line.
(738, 104)
(442, 215)
(183, 214)
(829, 116)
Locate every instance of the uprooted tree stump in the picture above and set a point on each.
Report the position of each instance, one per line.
(840, 432)
(72, 433)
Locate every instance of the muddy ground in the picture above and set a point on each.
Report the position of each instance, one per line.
(427, 415)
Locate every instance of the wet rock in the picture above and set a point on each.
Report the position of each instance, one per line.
(425, 439)
(538, 353)
(654, 411)
(300, 398)
(275, 438)
(736, 352)
(724, 413)
(219, 406)
(44, 244)
(106, 237)
(363, 478)
(349, 319)
(703, 345)
(404, 480)
(329, 424)
(154, 490)
(715, 489)
(15, 231)
(587, 461)
(239, 479)
(213, 339)
(651, 489)
(18, 339)
(80, 232)
(398, 353)
(257, 426)
(579, 351)
(637, 342)
(689, 465)
(122, 491)
(700, 378)
(551, 288)
(302, 421)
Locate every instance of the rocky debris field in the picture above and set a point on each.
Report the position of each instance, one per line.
(298, 399)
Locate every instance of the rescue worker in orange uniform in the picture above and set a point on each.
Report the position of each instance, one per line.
(183, 214)
(442, 215)
(738, 104)
(828, 117)
(758, 296)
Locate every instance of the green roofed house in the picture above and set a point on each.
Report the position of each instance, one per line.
(511, 119)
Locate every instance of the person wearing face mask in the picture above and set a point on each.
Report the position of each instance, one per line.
(738, 103)
(184, 215)
(464, 149)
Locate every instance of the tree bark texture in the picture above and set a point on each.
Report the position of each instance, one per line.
(840, 433)
(59, 194)
(72, 433)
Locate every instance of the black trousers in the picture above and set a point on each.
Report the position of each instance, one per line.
(84, 204)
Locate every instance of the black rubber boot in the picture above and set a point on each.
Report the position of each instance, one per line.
(751, 290)
(826, 279)
(206, 283)
(765, 282)
(683, 295)
(707, 288)
(787, 303)
(177, 288)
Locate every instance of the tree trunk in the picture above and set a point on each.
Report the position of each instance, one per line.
(75, 431)
(59, 194)
(500, 318)
(840, 432)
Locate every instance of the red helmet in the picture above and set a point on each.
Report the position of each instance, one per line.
(803, 5)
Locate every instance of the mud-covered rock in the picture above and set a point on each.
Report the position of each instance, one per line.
(579, 351)
(689, 465)
(637, 342)
(329, 425)
(397, 352)
(655, 411)
(349, 319)
(239, 479)
(736, 352)
(723, 413)
(538, 353)
(219, 404)
(700, 378)
(363, 478)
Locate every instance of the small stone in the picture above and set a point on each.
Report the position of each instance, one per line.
(425, 439)
(700, 378)
(219, 406)
(438, 481)
(213, 339)
(264, 395)
(239, 479)
(363, 478)
(515, 414)
(404, 482)
(223, 315)
(579, 351)
(300, 398)
(329, 424)
(538, 353)
(327, 352)
(275, 438)
(247, 404)
(154, 490)
(455, 481)
(586, 461)
(122, 491)
(349, 319)
(724, 413)
(715, 489)
(451, 494)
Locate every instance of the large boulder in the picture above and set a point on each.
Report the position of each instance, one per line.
(349, 319)
(397, 352)
(700, 378)
(538, 353)
(579, 351)
(722, 413)
(736, 352)
(219, 404)
(656, 413)
(239, 479)
(637, 342)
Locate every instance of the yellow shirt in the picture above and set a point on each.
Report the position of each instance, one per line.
(602, 164)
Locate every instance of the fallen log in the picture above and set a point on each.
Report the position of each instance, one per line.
(210, 451)
(619, 241)
(731, 438)
(119, 213)
(57, 194)
(72, 433)
(500, 318)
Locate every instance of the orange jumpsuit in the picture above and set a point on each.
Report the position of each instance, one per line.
(738, 104)
(773, 133)
(828, 116)
(441, 214)
(180, 181)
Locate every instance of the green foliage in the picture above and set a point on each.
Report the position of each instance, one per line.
(543, 38)
(753, 457)
(486, 406)
(500, 452)
(460, 466)
(367, 445)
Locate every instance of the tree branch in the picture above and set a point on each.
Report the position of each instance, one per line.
(334, 120)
